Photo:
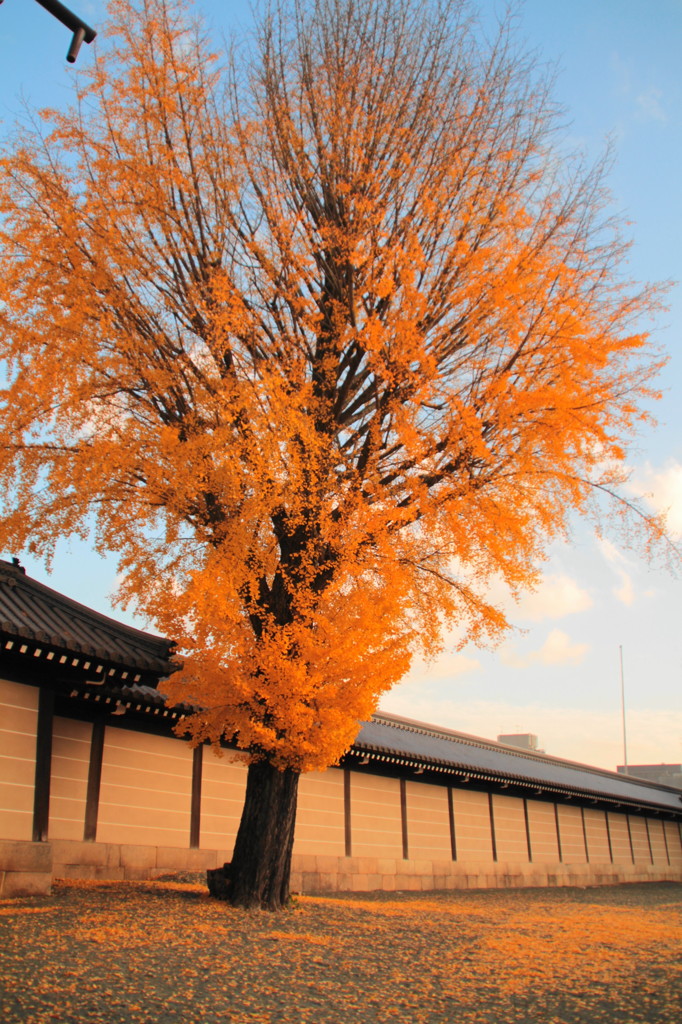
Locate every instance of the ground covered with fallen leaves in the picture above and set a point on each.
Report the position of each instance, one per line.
(164, 952)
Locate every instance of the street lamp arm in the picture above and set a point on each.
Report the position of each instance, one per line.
(81, 31)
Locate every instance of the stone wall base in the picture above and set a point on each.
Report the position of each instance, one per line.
(25, 868)
(119, 861)
(364, 874)
(312, 873)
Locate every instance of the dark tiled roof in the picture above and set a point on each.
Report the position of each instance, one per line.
(427, 746)
(31, 611)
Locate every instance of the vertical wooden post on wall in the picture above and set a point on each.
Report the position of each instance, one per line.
(632, 848)
(587, 849)
(195, 808)
(403, 818)
(41, 792)
(492, 825)
(346, 813)
(558, 833)
(528, 843)
(665, 841)
(94, 780)
(608, 834)
(648, 839)
(451, 816)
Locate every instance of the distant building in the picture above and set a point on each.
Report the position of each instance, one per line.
(523, 740)
(663, 774)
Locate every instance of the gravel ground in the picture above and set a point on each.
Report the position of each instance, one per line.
(163, 953)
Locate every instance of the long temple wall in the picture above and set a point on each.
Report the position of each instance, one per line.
(137, 804)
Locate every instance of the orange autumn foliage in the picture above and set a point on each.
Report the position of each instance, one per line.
(319, 342)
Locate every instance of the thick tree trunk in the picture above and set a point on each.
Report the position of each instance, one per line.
(258, 875)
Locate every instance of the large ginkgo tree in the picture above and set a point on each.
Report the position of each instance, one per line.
(319, 336)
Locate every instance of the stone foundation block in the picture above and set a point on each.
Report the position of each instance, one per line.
(327, 881)
(75, 871)
(138, 857)
(113, 855)
(360, 883)
(136, 874)
(25, 883)
(93, 872)
(327, 863)
(453, 879)
(366, 866)
(296, 882)
(71, 851)
(443, 867)
(108, 873)
(304, 862)
(23, 856)
(415, 867)
(411, 883)
(510, 881)
(173, 858)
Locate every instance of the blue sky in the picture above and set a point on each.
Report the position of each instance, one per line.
(559, 675)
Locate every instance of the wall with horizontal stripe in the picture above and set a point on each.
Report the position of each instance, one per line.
(18, 725)
(71, 742)
(137, 803)
(145, 789)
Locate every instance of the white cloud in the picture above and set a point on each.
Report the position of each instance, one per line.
(447, 666)
(610, 551)
(558, 649)
(662, 490)
(648, 102)
(625, 592)
(556, 596)
(621, 73)
(648, 106)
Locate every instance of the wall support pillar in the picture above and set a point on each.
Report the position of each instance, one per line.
(41, 792)
(347, 829)
(94, 780)
(195, 808)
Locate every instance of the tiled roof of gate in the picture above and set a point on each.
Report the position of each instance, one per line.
(427, 745)
(31, 611)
